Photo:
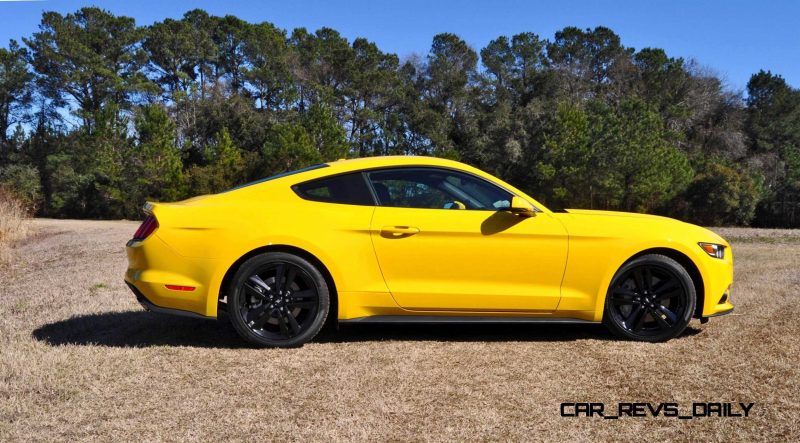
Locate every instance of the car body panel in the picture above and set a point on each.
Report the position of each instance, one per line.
(612, 238)
(474, 260)
(553, 265)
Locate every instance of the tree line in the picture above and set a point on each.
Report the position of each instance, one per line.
(98, 115)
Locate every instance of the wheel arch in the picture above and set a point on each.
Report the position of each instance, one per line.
(688, 264)
(334, 301)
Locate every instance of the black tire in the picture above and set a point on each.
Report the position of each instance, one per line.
(651, 298)
(278, 300)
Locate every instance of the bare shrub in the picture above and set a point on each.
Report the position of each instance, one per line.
(13, 213)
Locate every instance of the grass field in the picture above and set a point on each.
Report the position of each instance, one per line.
(80, 360)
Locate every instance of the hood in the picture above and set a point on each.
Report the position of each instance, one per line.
(590, 222)
(594, 212)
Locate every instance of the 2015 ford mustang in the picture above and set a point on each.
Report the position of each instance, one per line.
(418, 239)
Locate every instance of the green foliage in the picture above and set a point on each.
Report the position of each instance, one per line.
(720, 195)
(71, 191)
(154, 170)
(24, 180)
(644, 168)
(773, 124)
(174, 49)
(225, 165)
(605, 157)
(266, 49)
(90, 57)
(203, 103)
(325, 133)
(15, 90)
(289, 147)
(567, 162)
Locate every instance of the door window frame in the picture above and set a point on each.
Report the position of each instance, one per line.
(444, 169)
(376, 202)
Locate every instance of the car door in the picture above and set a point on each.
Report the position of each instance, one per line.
(443, 242)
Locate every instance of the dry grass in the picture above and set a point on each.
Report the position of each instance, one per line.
(13, 223)
(81, 361)
(758, 235)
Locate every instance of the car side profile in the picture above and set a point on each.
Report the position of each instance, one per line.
(409, 239)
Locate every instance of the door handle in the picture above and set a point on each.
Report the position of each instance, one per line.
(398, 231)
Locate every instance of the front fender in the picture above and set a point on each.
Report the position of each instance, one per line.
(716, 274)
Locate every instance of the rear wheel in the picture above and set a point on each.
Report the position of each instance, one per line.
(278, 300)
(651, 298)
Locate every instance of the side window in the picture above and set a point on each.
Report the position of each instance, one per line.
(349, 189)
(434, 188)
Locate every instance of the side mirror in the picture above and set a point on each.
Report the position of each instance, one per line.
(521, 207)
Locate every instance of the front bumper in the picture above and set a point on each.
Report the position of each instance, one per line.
(718, 281)
(721, 313)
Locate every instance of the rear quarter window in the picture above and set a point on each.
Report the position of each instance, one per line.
(347, 189)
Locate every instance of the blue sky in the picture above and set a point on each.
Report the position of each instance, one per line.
(733, 38)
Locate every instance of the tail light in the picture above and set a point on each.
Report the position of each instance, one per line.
(146, 228)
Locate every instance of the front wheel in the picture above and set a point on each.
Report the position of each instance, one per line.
(651, 298)
(278, 300)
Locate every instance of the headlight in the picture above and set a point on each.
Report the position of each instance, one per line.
(714, 250)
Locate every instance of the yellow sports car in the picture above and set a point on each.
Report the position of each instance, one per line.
(418, 239)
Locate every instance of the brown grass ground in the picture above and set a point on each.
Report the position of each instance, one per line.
(82, 361)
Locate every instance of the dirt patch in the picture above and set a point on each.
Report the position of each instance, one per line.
(81, 360)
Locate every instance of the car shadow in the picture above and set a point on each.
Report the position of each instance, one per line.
(139, 329)
(146, 329)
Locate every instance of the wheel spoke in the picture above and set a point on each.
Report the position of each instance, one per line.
(639, 279)
(659, 319)
(623, 292)
(290, 275)
(633, 318)
(675, 292)
(261, 319)
(640, 321)
(671, 315)
(250, 289)
(665, 286)
(648, 277)
(299, 295)
(282, 324)
(623, 296)
(256, 312)
(280, 274)
(293, 325)
(256, 280)
(306, 299)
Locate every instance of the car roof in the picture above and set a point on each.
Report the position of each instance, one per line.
(390, 160)
(358, 164)
(364, 163)
(348, 165)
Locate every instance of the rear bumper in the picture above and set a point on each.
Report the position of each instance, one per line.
(150, 306)
(154, 267)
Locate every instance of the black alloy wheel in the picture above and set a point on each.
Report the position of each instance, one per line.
(652, 298)
(278, 300)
